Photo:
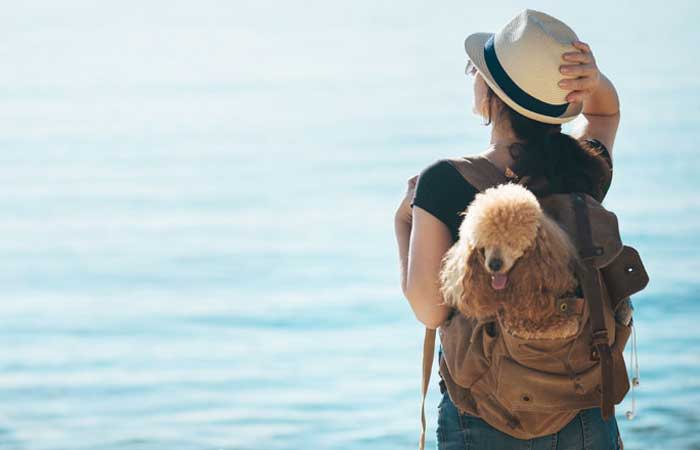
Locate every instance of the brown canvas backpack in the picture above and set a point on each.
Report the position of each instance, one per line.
(532, 388)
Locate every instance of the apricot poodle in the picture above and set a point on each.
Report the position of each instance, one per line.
(513, 260)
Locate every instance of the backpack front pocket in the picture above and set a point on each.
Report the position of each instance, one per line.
(527, 389)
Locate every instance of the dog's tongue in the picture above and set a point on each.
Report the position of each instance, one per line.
(498, 281)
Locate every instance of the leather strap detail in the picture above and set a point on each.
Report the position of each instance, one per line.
(478, 171)
(428, 356)
(583, 228)
(590, 279)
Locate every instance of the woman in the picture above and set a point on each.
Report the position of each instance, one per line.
(515, 80)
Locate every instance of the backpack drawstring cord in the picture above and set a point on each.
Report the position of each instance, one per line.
(635, 371)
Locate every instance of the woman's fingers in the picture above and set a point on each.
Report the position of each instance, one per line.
(577, 69)
(582, 45)
(576, 96)
(584, 55)
(579, 57)
(584, 69)
(577, 84)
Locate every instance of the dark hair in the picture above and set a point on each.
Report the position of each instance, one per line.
(554, 161)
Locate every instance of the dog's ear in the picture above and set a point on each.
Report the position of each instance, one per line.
(451, 269)
(554, 252)
(478, 298)
(546, 262)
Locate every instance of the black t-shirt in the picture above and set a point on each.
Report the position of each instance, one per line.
(443, 192)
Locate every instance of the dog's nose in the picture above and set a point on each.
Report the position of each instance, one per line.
(495, 264)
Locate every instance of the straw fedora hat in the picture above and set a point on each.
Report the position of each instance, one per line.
(521, 63)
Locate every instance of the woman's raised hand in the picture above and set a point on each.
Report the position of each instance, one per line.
(583, 66)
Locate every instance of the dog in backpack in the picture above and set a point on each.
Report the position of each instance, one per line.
(512, 260)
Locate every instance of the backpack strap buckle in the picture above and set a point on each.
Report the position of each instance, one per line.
(600, 337)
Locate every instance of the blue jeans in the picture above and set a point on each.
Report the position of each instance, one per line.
(586, 431)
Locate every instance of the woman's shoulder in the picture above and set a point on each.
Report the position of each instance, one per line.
(442, 191)
(443, 175)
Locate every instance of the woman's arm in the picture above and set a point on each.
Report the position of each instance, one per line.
(403, 219)
(403, 237)
(600, 117)
(422, 241)
(430, 240)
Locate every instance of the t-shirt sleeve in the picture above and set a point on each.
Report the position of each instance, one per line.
(603, 150)
(605, 154)
(444, 193)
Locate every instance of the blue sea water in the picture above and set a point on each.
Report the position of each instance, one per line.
(197, 232)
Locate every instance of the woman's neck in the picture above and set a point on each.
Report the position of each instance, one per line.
(498, 150)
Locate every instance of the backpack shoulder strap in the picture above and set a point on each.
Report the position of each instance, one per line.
(590, 278)
(478, 171)
(482, 174)
(428, 356)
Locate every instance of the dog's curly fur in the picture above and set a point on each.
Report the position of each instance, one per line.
(507, 221)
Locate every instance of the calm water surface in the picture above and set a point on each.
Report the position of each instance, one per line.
(197, 238)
